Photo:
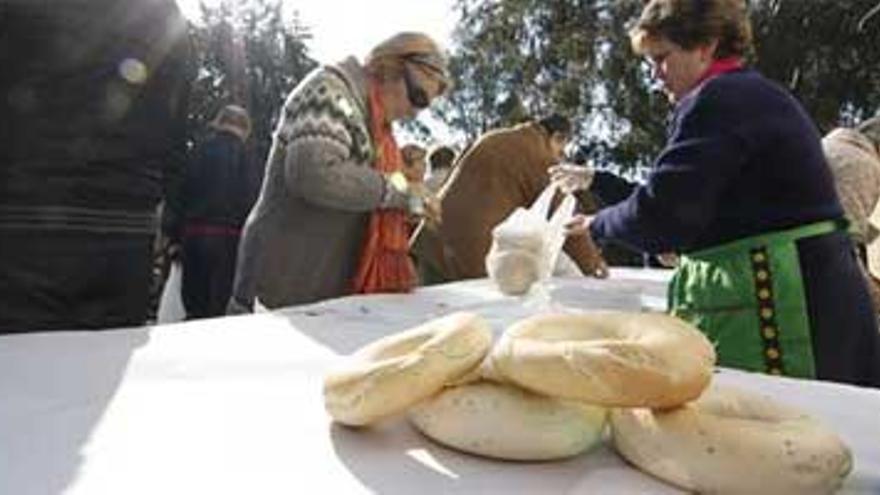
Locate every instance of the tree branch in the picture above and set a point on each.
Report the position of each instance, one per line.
(864, 20)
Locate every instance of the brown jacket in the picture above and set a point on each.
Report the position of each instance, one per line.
(503, 170)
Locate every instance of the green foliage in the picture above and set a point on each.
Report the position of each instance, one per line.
(819, 50)
(518, 58)
(250, 54)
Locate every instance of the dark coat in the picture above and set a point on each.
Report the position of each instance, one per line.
(743, 158)
(94, 103)
(93, 98)
(221, 183)
(725, 174)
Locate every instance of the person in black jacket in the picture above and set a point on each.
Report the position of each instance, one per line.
(94, 103)
(220, 188)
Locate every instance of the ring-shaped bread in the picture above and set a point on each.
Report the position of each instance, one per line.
(389, 375)
(732, 441)
(608, 358)
(506, 422)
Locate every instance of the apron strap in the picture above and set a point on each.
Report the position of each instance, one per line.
(773, 238)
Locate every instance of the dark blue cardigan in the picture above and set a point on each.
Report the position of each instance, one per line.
(743, 158)
(220, 186)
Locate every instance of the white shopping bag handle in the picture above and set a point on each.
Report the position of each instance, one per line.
(560, 217)
(557, 222)
(541, 206)
(171, 309)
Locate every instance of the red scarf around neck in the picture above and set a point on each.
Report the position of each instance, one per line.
(719, 67)
(385, 265)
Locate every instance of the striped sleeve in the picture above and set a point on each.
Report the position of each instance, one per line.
(327, 150)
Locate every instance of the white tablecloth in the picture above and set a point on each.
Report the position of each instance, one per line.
(234, 406)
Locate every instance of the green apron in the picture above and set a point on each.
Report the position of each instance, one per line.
(748, 297)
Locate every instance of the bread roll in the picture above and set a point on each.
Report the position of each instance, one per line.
(505, 422)
(393, 373)
(733, 442)
(607, 358)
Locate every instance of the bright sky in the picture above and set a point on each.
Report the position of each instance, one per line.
(351, 27)
(341, 28)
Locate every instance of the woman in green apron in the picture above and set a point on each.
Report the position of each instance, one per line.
(743, 193)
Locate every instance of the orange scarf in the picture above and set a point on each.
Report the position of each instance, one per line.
(385, 265)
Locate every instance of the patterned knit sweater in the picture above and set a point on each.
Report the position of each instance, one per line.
(302, 240)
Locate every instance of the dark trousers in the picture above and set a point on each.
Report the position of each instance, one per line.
(55, 280)
(208, 273)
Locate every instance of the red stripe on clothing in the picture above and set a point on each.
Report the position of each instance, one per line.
(201, 229)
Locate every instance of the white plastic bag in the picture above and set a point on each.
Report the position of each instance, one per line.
(526, 244)
(171, 308)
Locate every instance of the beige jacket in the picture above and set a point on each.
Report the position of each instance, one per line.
(855, 163)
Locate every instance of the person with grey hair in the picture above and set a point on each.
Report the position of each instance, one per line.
(332, 215)
(220, 187)
(854, 157)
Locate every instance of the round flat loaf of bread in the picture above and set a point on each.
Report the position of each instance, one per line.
(389, 375)
(732, 441)
(505, 422)
(608, 358)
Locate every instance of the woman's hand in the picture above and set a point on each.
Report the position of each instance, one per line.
(430, 204)
(433, 210)
(668, 260)
(579, 225)
(571, 178)
(601, 271)
(596, 265)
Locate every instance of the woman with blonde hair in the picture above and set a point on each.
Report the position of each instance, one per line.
(331, 219)
(743, 193)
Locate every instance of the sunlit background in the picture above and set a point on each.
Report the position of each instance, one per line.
(350, 27)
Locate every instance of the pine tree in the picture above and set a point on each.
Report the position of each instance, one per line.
(251, 53)
(513, 59)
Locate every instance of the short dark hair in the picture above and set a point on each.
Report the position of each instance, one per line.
(691, 23)
(556, 124)
(441, 157)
